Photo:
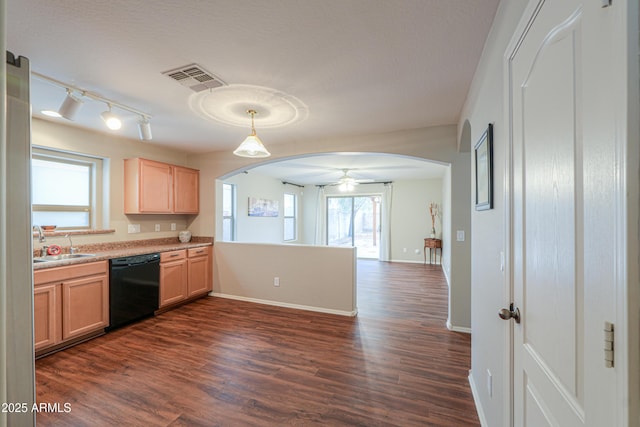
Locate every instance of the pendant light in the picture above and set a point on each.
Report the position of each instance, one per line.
(252, 146)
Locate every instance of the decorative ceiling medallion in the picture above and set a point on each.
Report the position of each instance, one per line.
(229, 105)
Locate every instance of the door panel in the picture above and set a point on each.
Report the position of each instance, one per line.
(565, 195)
(546, 85)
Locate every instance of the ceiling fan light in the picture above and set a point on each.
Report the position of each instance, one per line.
(111, 120)
(252, 147)
(70, 107)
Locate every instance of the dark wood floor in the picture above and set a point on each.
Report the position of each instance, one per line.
(220, 362)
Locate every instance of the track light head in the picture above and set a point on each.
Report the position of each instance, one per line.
(144, 129)
(112, 121)
(70, 106)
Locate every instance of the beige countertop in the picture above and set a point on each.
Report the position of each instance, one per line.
(109, 251)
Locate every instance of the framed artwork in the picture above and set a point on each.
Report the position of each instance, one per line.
(263, 207)
(484, 170)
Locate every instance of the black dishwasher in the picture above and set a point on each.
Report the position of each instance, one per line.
(134, 287)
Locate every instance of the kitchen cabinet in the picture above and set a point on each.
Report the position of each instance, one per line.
(198, 262)
(70, 302)
(184, 274)
(186, 190)
(160, 188)
(173, 277)
(47, 315)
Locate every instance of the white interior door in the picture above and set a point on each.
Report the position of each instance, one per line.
(559, 269)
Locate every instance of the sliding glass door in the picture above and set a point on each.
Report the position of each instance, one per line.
(354, 221)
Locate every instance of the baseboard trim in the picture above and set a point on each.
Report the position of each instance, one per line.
(457, 328)
(286, 305)
(476, 400)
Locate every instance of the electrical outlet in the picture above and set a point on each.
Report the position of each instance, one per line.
(133, 228)
(417, 251)
(173, 226)
(276, 281)
(157, 227)
(404, 250)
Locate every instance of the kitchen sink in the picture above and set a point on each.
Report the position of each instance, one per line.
(61, 257)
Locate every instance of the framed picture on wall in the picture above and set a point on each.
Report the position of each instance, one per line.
(484, 170)
(263, 207)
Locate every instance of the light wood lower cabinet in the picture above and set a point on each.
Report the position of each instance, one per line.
(47, 315)
(70, 302)
(173, 277)
(184, 274)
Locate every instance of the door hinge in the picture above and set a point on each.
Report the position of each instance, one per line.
(606, 3)
(608, 345)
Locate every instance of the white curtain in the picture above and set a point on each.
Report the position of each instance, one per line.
(321, 218)
(385, 223)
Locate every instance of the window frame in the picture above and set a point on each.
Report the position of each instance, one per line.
(293, 217)
(96, 191)
(233, 210)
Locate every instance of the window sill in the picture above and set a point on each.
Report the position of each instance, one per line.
(73, 232)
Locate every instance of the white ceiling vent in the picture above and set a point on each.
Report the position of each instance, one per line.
(194, 77)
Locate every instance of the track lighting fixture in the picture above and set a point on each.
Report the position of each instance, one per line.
(144, 129)
(252, 146)
(70, 106)
(112, 121)
(72, 103)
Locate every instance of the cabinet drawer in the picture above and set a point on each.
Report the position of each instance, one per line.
(173, 255)
(58, 274)
(204, 251)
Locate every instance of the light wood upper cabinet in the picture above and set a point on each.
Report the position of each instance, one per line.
(186, 190)
(158, 188)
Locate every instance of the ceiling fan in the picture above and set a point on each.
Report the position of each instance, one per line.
(347, 183)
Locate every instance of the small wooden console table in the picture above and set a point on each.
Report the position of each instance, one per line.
(434, 244)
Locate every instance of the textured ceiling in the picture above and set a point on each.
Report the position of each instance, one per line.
(359, 66)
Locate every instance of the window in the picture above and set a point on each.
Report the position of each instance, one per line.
(65, 189)
(289, 216)
(228, 212)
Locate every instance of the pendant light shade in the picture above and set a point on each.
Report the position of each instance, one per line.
(252, 146)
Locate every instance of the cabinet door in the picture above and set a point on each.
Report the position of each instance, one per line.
(156, 187)
(186, 190)
(46, 316)
(198, 274)
(173, 281)
(85, 305)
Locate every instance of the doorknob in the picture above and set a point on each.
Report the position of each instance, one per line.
(510, 313)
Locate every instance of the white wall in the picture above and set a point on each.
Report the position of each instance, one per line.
(485, 105)
(317, 278)
(263, 229)
(410, 219)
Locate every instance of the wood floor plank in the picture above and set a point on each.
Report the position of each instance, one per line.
(218, 362)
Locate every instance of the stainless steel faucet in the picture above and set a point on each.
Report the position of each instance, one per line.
(72, 250)
(41, 237)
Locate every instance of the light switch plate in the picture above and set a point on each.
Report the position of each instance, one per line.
(133, 228)
(460, 235)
